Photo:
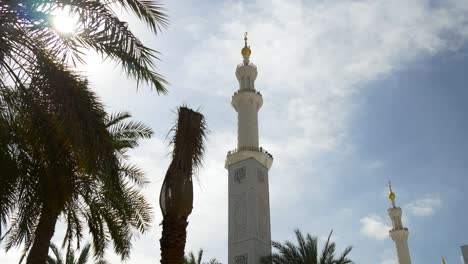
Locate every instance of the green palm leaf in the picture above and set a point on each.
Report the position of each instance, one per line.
(305, 252)
(100, 187)
(29, 34)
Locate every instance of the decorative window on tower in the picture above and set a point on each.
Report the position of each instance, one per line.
(240, 175)
(240, 259)
(260, 175)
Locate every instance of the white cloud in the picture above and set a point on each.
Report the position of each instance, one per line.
(388, 256)
(425, 206)
(374, 227)
(389, 261)
(313, 57)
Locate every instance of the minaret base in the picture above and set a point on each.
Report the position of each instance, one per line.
(249, 210)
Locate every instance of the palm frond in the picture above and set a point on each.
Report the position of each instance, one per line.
(150, 11)
(54, 123)
(189, 135)
(57, 254)
(200, 255)
(84, 255)
(302, 248)
(343, 259)
(305, 252)
(133, 173)
(29, 33)
(311, 252)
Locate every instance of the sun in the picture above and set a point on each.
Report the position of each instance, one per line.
(64, 22)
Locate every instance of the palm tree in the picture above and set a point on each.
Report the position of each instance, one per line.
(176, 198)
(213, 261)
(70, 257)
(57, 155)
(28, 37)
(69, 163)
(305, 252)
(190, 259)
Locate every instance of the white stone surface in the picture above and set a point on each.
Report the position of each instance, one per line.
(249, 235)
(249, 212)
(247, 103)
(399, 235)
(246, 74)
(265, 159)
(464, 250)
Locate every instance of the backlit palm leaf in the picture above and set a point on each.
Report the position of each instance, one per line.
(305, 252)
(27, 32)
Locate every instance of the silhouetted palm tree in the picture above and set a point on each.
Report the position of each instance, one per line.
(213, 261)
(306, 252)
(28, 37)
(176, 198)
(190, 259)
(55, 142)
(71, 163)
(70, 257)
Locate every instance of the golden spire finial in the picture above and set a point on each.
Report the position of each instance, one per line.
(246, 49)
(443, 260)
(391, 195)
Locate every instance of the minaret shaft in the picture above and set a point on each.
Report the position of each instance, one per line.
(247, 119)
(249, 237)
(247, 105)
(400, 237)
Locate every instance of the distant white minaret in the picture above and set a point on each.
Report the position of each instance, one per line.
(398, 233)
(249, 235)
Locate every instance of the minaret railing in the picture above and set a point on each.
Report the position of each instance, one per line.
(247, 91)
(250, 148)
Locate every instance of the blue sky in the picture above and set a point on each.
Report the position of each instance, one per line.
(356, 93)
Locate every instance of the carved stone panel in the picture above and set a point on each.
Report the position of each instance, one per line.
(262, 218)
(240, 175)
(241, 259)
(260, 175)
(239, 217)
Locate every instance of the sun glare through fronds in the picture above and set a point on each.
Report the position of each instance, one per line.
(64, 22)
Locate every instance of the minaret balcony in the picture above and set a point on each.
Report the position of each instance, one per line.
(396, 229)
(399, 234)
(246, 152)
(247, 95)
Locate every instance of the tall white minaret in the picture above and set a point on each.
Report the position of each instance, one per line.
(398, 233)
(249, 235)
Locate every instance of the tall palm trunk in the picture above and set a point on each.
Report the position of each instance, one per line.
(56, 188)
(44, 232)
(173, 239)
(176, 198)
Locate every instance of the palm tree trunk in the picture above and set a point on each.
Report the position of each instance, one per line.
(173, 238)
(44, 232)
(176, 197)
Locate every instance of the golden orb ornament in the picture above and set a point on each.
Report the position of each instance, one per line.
(391, 195)
(246, 49)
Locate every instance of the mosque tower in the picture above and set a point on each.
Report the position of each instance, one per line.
(249, 235)
(398, 233)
